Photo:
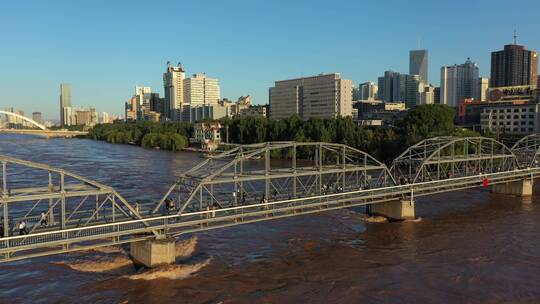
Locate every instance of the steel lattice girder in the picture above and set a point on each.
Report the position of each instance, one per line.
(223, 180)
(68, 200)
(527, 150)
(443, 157)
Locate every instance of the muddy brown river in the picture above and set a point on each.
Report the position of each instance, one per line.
(469, 247)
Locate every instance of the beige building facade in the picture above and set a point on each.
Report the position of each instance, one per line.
(200, 90)
(321, 96)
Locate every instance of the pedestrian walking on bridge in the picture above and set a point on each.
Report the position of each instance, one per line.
(43, 219)
(22, 228)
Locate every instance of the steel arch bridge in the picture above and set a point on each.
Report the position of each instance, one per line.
(222, 181)
(527, 150)
(451, 157)
(249, 183)
(24, 118)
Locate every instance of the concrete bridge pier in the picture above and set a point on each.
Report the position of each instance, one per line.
(520, 188)
(152, 253)
(395, 210)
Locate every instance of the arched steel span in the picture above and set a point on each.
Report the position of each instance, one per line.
(450, 157)
(68, 200)
(223, 181)
(31, 121)
(527, 150)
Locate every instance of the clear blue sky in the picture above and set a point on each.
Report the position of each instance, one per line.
(105, 48)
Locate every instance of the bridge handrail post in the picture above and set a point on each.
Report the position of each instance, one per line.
(5, 196)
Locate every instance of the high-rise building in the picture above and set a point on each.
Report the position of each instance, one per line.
(36, 116)
(201, 90)
(418, 64)
(321, 96)
(396, 87)
(482, 89)
(437, 95)
(390, 87)
(458, 82)
(514, 66)
(427, 96)
(173, 85)
(65, 102)
(143, 96)
(368, 91)
(145, 105)
(413, 89)
(105, 118)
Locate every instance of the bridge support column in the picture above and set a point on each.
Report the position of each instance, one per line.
(395, 210)
(519, 188)
(152, 253)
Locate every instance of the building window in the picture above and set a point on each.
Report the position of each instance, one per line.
(516, 110)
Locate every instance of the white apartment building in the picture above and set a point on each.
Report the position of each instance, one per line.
(321, 96)
(458, 82)
(173, 85)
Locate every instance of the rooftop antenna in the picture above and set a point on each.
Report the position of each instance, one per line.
(515, 37)
(418, 43)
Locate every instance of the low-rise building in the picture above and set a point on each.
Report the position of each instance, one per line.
(207, 136)
(210, 112)
(258, 111)
(373, 110)
(510, 117)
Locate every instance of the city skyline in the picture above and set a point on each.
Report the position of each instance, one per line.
(246, 52)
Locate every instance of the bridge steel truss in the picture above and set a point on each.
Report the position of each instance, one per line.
(60, 202)
(527, 150)
(222, 181)
(447, 157)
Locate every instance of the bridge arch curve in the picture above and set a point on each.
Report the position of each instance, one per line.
(31, 121)
(449, 157)
(527, 150)
(301, 169)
